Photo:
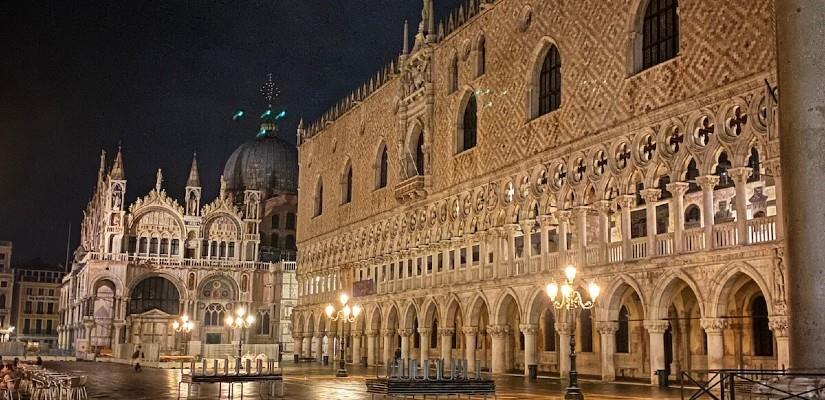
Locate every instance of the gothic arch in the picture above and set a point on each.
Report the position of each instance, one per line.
(505, 299)
(537, 303)
(467, 93)
(474, 310)
(411, 314)
(611, 302)
(724, 281)
(534, 71)
(116, 283)
(431, 311)
(666, 289)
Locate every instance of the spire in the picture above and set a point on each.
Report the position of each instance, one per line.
(430, 18)
(194, 178)
(158, 180)
(101, 171)
(223, 188)
(117, 168)
(406, 37)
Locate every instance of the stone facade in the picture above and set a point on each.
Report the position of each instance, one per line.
(660, 184)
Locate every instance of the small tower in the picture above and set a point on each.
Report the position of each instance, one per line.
(115, 205)
(252, 221)
(193, 190)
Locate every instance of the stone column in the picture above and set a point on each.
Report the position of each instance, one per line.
(651, 196)
(527, 232)
(603, 206)
(499, 336)
(307, 343)
(319, 346)
(779, 327)
(446, 335)
(677, 211)
(356, 347)
(468, 244)
(740, 179)
(483, 237)
(445, 259)
(607, 331)
(716, 344)
(708, 182)
(625, 204)
(580, 216)
(544, 222)
(389, 346)
(333, 348)
(530, 357)
(405, 343)
(656, 330)
(510, 235)
(565, 330)
(470, 334)
(298, 345)
(425, 344)
(564, 220)
(774, 169)
(372, 334)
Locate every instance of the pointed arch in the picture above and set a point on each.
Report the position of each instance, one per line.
(466, 136)
(727, 279)
(666, 290)
(346, 182)
(653, 34)
(480, 54)
(381, 166)
(506, 305)
(544, 82)
(318, 199)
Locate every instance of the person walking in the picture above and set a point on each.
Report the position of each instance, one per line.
(136, 357)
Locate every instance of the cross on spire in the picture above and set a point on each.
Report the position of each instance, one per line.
(269, 90)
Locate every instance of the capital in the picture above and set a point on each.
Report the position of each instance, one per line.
(651, 195)
(546, 220)
(714, 325)
(607, 327)
(498, 331)
(656, 326)
(405, 332)
(603, 206)
(678, 188)
(626, 201)
(779, 324)
(581, 210)
(446, 331)
(563, 216)
(740, 175)
(470, 330)
(371, 332)
(707, 182)
(529, 329)
(563, 328)
(388, 332)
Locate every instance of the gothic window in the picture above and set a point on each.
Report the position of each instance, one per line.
(164, 246)
(245, 283)
(586, 331)
(276, 221)
(419, 154)
(762, 335)
(290, 221)
(467, 132)
(722, 166)
(663, 181)
(482, 57)
(660, 32)
(550, 82)
(381, 167)
(289, 242)
(263, 323)
(153, 246)
(346, 185)
(549, 331)
(692, 216)
(214, 315)
(175, 247)
(623, 334)
(319, 199)
(754, 164)
(691, 175)
(154, 293)
(452, 75)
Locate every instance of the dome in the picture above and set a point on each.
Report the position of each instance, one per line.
(267, 163)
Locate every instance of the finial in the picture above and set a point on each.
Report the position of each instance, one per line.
(194, 177)
(117, 168)
(159, 180)
(223, 187)
(406, 37)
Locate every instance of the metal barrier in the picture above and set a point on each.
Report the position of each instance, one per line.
(742, 384)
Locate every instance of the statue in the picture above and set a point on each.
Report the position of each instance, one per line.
(779, 277)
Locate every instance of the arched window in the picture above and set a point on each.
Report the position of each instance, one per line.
(346, 185)
(467, 132)
(550, 82)
(623, 334)
(419, 154)
(753, 163)
(319, 199)
(692, 216)
(660, 32)
(290, 221)
(722, 166)
(154, 293)
(213, 315)
(276, 221)
(762, 335)
(381, 168)
(549, 331)
(452, 75)
(481, 54)
(586, 331)
(290, 242)
(690, 176)
(263, 323)
(275, 240)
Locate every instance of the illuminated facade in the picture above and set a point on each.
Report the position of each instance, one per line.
(141, 266)
(637, 142)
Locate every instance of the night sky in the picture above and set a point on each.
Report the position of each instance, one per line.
(162, 78)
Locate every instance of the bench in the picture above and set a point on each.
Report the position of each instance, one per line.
(269, 375)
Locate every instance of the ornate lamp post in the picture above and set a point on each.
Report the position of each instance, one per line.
(241, 321)
(346, 314)
(571, 301)
(185, 326)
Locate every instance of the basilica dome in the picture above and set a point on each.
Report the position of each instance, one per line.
(266, 163)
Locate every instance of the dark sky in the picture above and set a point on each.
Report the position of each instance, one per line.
(163, 78)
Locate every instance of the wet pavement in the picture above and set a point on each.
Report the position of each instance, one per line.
(314, 382)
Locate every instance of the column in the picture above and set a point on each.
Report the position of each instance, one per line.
(299, 343)
(677, 211)
(529, 331)
(563, 218)
(779, 327)
(563, 350)
(356, 347)
(307, 344)
(483, 237)
(446, 335)
(708, 182)
(405, 343)
(333, 348)
(544, 223)
(603, 206)
(445, 260)
(625, 204)
(510, 235)
(774, 169)
(580, 216)
(495, 235)
(319, 344)
(499, 336)
(372, 335)
(716, 344)
(740, 179)
(470, 335)
(527, 231)
(656, 330)
(425, 344)
(651, 196)
(389, 346)
(607, 331)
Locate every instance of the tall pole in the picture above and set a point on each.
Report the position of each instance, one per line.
(573, 392)
(800, 60)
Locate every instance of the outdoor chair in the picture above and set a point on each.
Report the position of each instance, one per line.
(10, 392)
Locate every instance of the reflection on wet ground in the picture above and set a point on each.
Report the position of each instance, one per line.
(314, 382)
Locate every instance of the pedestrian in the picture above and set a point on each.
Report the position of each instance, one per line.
(39, 361)
(397, 353)
(136, 356)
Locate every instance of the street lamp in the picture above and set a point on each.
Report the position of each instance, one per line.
(241, 321)
(185, 326)
(571, 300)
(346, 314)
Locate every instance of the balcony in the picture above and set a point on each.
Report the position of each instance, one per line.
(167, 261)
(411, 189)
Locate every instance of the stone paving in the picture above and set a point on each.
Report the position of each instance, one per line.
(314, 382)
